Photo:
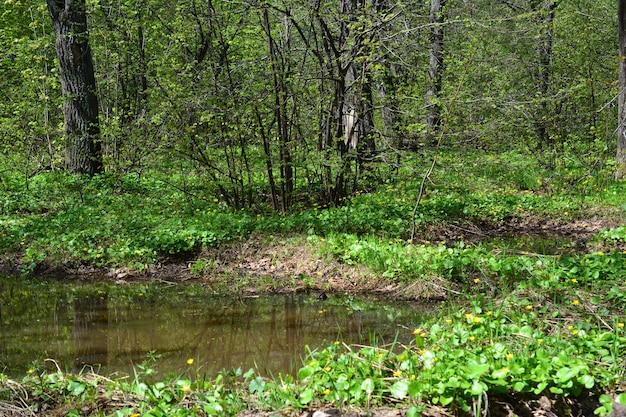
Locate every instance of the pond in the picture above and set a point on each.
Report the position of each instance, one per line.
(115, 328)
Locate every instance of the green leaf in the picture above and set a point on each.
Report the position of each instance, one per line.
(183, 382)
(446, 400)
(413, 412)
(476, 370)
(621, 399)
(76, 388)
(368, 386)
(519, 386)
(477, 388)
(587, 381)
(540, 387)
(306, 396)
(400, 389)
(415, 388)
(257, 385)
(305, 372)
(566, 374)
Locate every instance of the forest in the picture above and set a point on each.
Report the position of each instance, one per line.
(279, 105)
(469, 154)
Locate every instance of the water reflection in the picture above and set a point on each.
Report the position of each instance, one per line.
(115, 330)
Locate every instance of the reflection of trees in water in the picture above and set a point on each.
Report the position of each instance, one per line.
(120, 330)
(90, 330)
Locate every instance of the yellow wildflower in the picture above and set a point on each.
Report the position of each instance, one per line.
(419, 332)
(190, 361)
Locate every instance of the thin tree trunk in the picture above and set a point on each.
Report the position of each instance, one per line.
(435, 69)
(80, 109)
(543, 72)
(620, 162)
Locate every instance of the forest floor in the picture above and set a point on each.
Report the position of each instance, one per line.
(265, 264)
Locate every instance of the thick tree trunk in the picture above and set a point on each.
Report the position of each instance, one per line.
(620, 162)
(435, 69)
(80, 108)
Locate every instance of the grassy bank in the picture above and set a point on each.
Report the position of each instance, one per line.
(115, 221)
(533, 323)
(503, 355)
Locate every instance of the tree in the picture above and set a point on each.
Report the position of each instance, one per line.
(80, 107)
(435, 69)
(620, 162)
(541, 71)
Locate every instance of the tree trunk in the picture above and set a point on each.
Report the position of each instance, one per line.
(80, 108)
(620, 162)
(435, 70)
(542, 71)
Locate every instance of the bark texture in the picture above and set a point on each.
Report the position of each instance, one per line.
(80, 107)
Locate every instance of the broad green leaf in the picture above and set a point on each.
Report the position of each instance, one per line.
(415, 388)
(476, 370)
(446, 400)
(566, 374)
(400, 389)
(477, 388)
(587, 381)
(257, 385)
(368, 386)
(305, 372)
(306, 396)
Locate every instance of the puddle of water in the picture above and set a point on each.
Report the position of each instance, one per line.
(114, 329)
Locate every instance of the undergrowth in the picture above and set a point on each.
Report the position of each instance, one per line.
(132, 221)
